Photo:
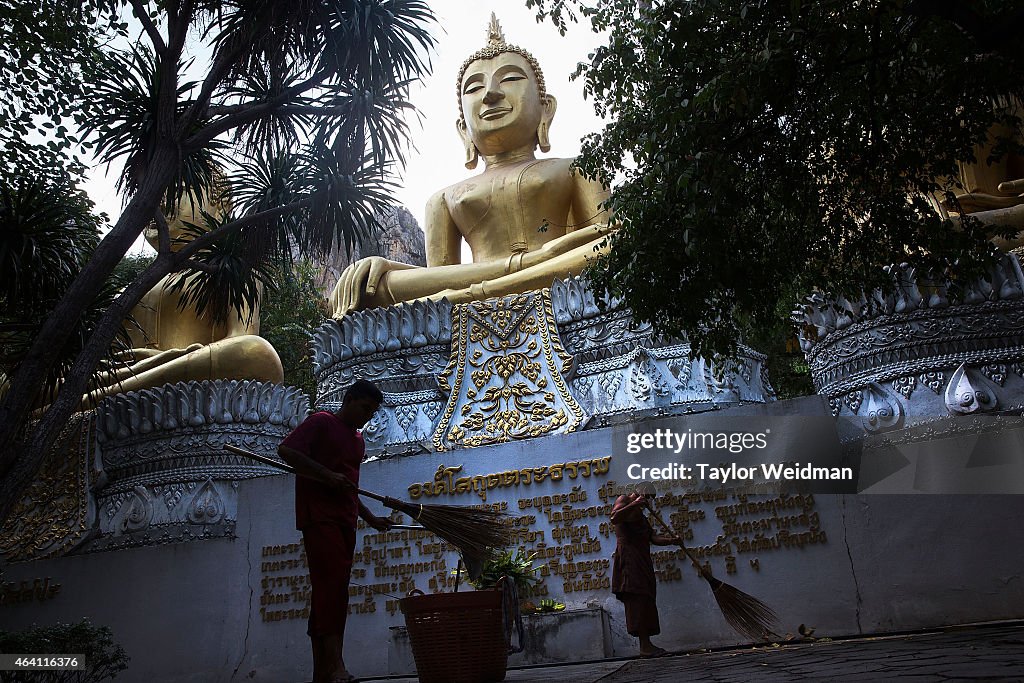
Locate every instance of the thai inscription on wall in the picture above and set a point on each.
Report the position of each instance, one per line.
(559, 514)
(34, 590)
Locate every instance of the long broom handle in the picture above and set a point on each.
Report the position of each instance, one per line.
(288, 468)
(698, 565)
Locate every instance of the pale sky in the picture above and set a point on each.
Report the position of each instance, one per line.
(437, 158)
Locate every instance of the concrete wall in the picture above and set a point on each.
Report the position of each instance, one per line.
(192, 611)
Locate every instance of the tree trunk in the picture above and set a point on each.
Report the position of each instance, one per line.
(20, 458)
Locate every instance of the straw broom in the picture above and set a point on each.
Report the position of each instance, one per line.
(473, 531)
(745, 613)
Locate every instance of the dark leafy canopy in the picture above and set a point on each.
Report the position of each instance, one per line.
(124, 127)
(770, 148)
(296, 126)
(289, 315)
(48, 50)
(103, 657)
(47, 233)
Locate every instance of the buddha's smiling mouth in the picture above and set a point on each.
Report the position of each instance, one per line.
(495, 113)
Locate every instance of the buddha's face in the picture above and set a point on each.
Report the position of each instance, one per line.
(176, 231)
(501, 103)
(188, 212)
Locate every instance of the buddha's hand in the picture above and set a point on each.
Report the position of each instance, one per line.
(577, 238)
(1013, 187)
(361, 285)
(357, 281)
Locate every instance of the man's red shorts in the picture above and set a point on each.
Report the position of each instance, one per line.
(329, 550)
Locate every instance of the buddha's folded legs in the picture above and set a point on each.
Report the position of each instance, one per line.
(242, 357)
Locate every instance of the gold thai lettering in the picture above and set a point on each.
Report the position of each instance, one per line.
(444, 482)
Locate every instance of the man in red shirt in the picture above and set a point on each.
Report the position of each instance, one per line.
(327, 448)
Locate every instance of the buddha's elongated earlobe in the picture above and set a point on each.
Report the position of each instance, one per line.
(472, 153)
(548, 106)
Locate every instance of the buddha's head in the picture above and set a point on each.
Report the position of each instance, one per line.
(503, 105)
(190, 211)
(176, 229)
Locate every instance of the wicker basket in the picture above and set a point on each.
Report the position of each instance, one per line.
(457, 637)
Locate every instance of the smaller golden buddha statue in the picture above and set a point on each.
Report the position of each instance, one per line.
(993, 192)
(175, 344)
(527, 220)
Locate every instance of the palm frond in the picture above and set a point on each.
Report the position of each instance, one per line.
(46, 234)
(349, 196)
(366, 121)
(127, 93)
(380, 42)
(279, 129)
(223, 280)
(264, 182)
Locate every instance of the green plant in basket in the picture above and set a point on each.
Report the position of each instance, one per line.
(549, 605)
(545, 606)
(517, 566)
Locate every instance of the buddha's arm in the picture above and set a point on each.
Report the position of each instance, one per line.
(1003, 218)
(444, 241)
(1011, 218)
(587, 197)
(371, 282)
(556, 259)
(241, 358)
(378, 282)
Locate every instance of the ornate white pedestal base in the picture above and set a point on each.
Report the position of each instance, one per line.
(166, 474)
(920, 354)
(516, 367)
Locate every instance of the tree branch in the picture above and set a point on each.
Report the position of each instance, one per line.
(253, 111)
(199, 265)
(167, 96)
(218, 71)
(164, 232)
(147, 23)
(184, 254)
(177, 26)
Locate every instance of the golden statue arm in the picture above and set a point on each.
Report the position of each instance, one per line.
(149, 359)
(245, 357)
(586, 201)
(444, 241)
(557, 259)
(1011, 186)
(1011, 217)
(525, 270)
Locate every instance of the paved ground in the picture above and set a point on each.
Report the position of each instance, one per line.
(990, 652)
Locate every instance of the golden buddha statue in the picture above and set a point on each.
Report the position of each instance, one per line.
(176, 344)
(994, 192)
(526, 220)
